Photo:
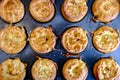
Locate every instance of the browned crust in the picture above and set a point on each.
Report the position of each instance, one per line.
(5, 64)
(10, 44)
(119, 5)
(72, 18)
(95, 68)
(100, 32)
(69, 64)
(50, 42)
(105, 10)
(36, 15)
(85, 37)
(11, 11)
(54, 68)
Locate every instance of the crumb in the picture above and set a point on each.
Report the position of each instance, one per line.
(54, 55)
(94, 55)
(91, 47)
(61, 53)
(92, 33)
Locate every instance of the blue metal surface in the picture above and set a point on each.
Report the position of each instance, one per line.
(90, 55)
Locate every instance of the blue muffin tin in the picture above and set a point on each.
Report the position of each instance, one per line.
(90, 55)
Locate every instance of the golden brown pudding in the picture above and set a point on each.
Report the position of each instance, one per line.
(74, 40)
(11, 11)
(74, 10)
(106, 69)
(105, 10)
(42, 40)
(42, 10)
(75, 69)
(44, 69)
(12, 39)
(106, 39)
(12, 69)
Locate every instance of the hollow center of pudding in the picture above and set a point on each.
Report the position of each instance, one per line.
(44, 69)
(77, 72)
(77, 69)
(75, 7)
(107, 6)
(43, 9)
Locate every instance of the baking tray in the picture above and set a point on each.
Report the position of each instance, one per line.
(90, 55)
